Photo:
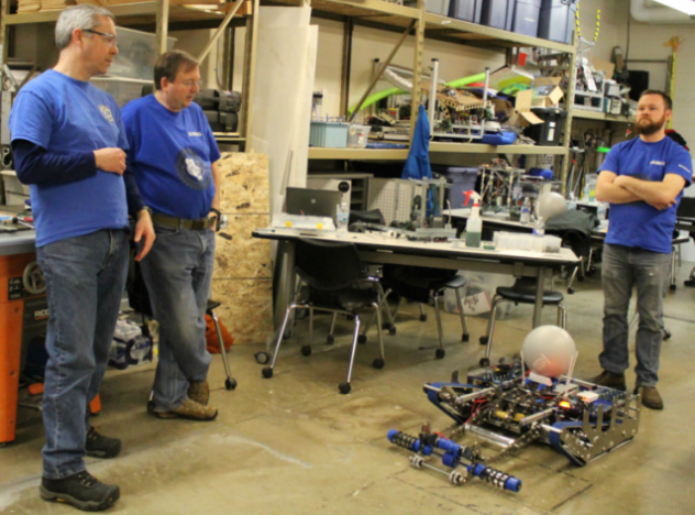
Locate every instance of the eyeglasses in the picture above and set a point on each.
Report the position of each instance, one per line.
(190, 83)
(109, 38)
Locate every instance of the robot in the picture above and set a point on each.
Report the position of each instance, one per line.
(510, 407)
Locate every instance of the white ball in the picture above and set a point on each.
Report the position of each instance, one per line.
(549, 350)
(550, 204)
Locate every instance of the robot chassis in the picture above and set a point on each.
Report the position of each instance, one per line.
(581, 420)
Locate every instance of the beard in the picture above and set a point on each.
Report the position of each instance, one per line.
(646, 127)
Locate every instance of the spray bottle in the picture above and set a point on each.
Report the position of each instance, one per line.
(474, 225)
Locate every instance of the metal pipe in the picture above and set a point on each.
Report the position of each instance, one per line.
(433, 94)
(471, 396)
(536, 416)
(490, 436)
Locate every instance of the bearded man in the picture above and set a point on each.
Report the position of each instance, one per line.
(643, 180)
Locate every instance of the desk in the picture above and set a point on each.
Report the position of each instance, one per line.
(380, 250)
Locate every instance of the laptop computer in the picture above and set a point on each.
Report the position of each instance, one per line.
(304, 201)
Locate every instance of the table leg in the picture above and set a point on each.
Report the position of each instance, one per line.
(286, 282)
(538, 306)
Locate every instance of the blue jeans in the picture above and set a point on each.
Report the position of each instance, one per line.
(623, 268)
(177, 273)
(85, 279)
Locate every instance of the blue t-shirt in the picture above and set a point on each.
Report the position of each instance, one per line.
(62, 115)
(638, 224)
(170, 154)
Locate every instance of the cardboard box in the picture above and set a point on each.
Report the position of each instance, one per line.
(546, 92)
(524, 102)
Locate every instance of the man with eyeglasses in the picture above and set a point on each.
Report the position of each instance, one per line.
(174, 158)
(69, 145)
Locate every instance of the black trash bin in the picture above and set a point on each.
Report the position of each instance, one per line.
(548, 133)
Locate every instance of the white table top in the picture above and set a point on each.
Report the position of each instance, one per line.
(452, 249)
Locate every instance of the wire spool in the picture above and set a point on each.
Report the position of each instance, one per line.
(33, 280)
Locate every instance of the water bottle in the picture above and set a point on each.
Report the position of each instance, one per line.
(539, 229)
(342, 216)
(601, 211)
(525, 211)
(572, 203)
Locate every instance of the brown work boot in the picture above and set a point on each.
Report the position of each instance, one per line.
(650, 397)
(191, 410)
(199, 391)
(610, 380)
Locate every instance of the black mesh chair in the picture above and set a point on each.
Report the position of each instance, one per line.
(426, 286)
(332, 273)
(523, 292)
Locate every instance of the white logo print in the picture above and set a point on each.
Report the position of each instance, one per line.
(193, 134)
(658, 163)
(106, 112)
(193, 169)
(684, 168)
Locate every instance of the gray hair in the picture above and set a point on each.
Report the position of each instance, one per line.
(83, 16)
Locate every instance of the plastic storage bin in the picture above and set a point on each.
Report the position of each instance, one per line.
(122, 90)
(466, 10)
(548, 133)
(358, 135)
(557, 20)
(136, 54)
(498, 13)
(526, 17)
(328, 134)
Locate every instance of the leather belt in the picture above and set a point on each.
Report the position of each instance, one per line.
(183, 223)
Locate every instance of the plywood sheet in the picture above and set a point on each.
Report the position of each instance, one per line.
(244, 185)
(247, 308)
(238, 254)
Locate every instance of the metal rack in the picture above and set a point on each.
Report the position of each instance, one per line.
(159, 16)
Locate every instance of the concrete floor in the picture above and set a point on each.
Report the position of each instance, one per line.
(294, 445)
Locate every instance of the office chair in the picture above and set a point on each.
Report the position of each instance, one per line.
(332, 273)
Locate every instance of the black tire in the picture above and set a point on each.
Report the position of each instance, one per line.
(344, 388)
(392, 330)
(423, 318)
(330, 339)
(440, 353)
(306, 350)
(483, 340)
(570, 291)
(378, 363)
(267, 372)
(362, 339)
(673, 287)
(262, 357)
(465, 337)
(230, 384)
(484, 362)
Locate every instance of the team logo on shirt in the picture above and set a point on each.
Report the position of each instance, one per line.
(106, 112)
(193, 170)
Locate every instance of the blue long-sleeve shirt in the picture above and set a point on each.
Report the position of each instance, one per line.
(35, 165)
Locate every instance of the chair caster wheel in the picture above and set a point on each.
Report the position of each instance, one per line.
(230, 384)
(344, 388)
(150, 406)
(330, 339)
(465, 337)
(378, 363)
(267, 372)
(392, 330)
(362, 339)
(484, 362)
(423, 318)
(306, 350)
(440, 353)
(483, 340)
(570, 291)
(262, 357)
(673, 287)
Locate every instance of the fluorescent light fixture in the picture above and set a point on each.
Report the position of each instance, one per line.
(684, 6)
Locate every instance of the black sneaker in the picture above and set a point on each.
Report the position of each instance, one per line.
(81, 490)
(100, 446)
(650, 397)
(610, 380)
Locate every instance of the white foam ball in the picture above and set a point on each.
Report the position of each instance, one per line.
(550, 204)
(549, 350)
